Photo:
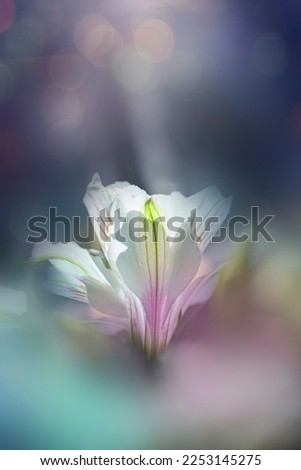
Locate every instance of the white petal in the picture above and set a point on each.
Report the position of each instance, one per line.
(209, 203)
(62, 282)
(109, 325)
(197, 292)
(118, 196)
(77, 276)
(71, 252)
(104, 298)
(157, 272)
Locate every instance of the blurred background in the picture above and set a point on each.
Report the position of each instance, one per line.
(169, 95)
(172, 95)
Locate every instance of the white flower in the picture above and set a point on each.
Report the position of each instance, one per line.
(142, 287)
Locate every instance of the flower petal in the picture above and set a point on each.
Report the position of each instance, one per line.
(100, 200)
(157, 271)
(70, 252)
(76, 276)
(104, 299)
(109, 325)
(61, 281)
(209, 203)
(204, 204)
(197, 292)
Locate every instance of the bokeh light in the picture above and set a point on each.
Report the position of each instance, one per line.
(182, 72)
(66, 142)
(137, 74)
(154, 40)
(61, 106)
(25, 39)
(7, 14)
(97, 39)
(68, 70)
(49, 17)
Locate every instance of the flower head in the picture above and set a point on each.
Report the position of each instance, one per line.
(145, 276)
